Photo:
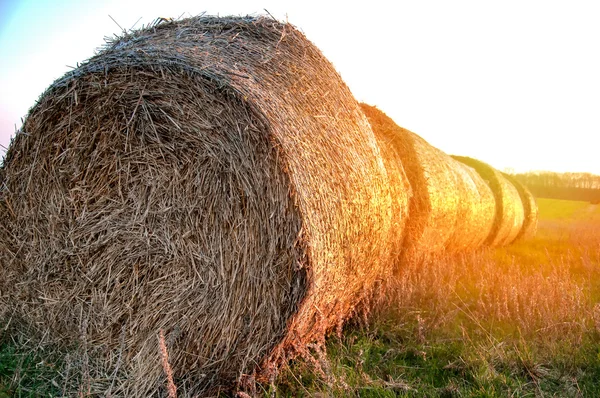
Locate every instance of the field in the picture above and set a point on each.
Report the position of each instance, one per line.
(523, 320)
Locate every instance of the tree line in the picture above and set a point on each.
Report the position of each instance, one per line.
(570, 186)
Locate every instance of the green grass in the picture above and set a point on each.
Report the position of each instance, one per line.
(522, 321)
(567, 210)
(388, 361)
(26, 373)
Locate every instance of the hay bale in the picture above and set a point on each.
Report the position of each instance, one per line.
(210, 177)
(429, 224)
(476, 210)
(509, 209)
(530, 208)
(390, 144)
(446, 210)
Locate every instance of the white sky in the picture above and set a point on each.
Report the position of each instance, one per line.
(513, 83)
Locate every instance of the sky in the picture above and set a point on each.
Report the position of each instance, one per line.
(513, 83)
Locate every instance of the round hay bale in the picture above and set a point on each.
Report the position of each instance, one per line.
(476, 210)
(212, 178)
(390, 145)
(530, 208)
(509, 209)
(439, 192)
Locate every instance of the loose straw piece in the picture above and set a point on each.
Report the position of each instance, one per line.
(166, 366)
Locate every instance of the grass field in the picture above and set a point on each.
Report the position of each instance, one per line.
(523, 320)
(520, 321)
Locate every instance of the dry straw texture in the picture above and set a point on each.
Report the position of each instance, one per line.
(390, 145)
(447, 211)
(476, 210)
(509, 208)
(530, 208)
(210, 177)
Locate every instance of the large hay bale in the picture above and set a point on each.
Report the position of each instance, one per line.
(476, 210)
(210, 177)
(530, 208)
(509, 209)
(446, 210)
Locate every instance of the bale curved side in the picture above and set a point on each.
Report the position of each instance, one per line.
(476, 210)
(438, 188)
(530, 208)
(509, 209)
(211, 177)
(390, 144)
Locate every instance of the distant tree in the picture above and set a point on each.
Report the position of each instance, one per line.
(573, 186)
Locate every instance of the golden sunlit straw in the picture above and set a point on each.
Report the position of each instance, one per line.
(390, 146)
(530, 208)
(476, 210)
(510, 212)
(448, 210)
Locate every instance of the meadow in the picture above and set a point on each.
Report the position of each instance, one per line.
(522, 320)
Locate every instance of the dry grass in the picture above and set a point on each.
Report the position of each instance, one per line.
(546, 286)
(211, 177)
(512, 321)
(534, 305)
